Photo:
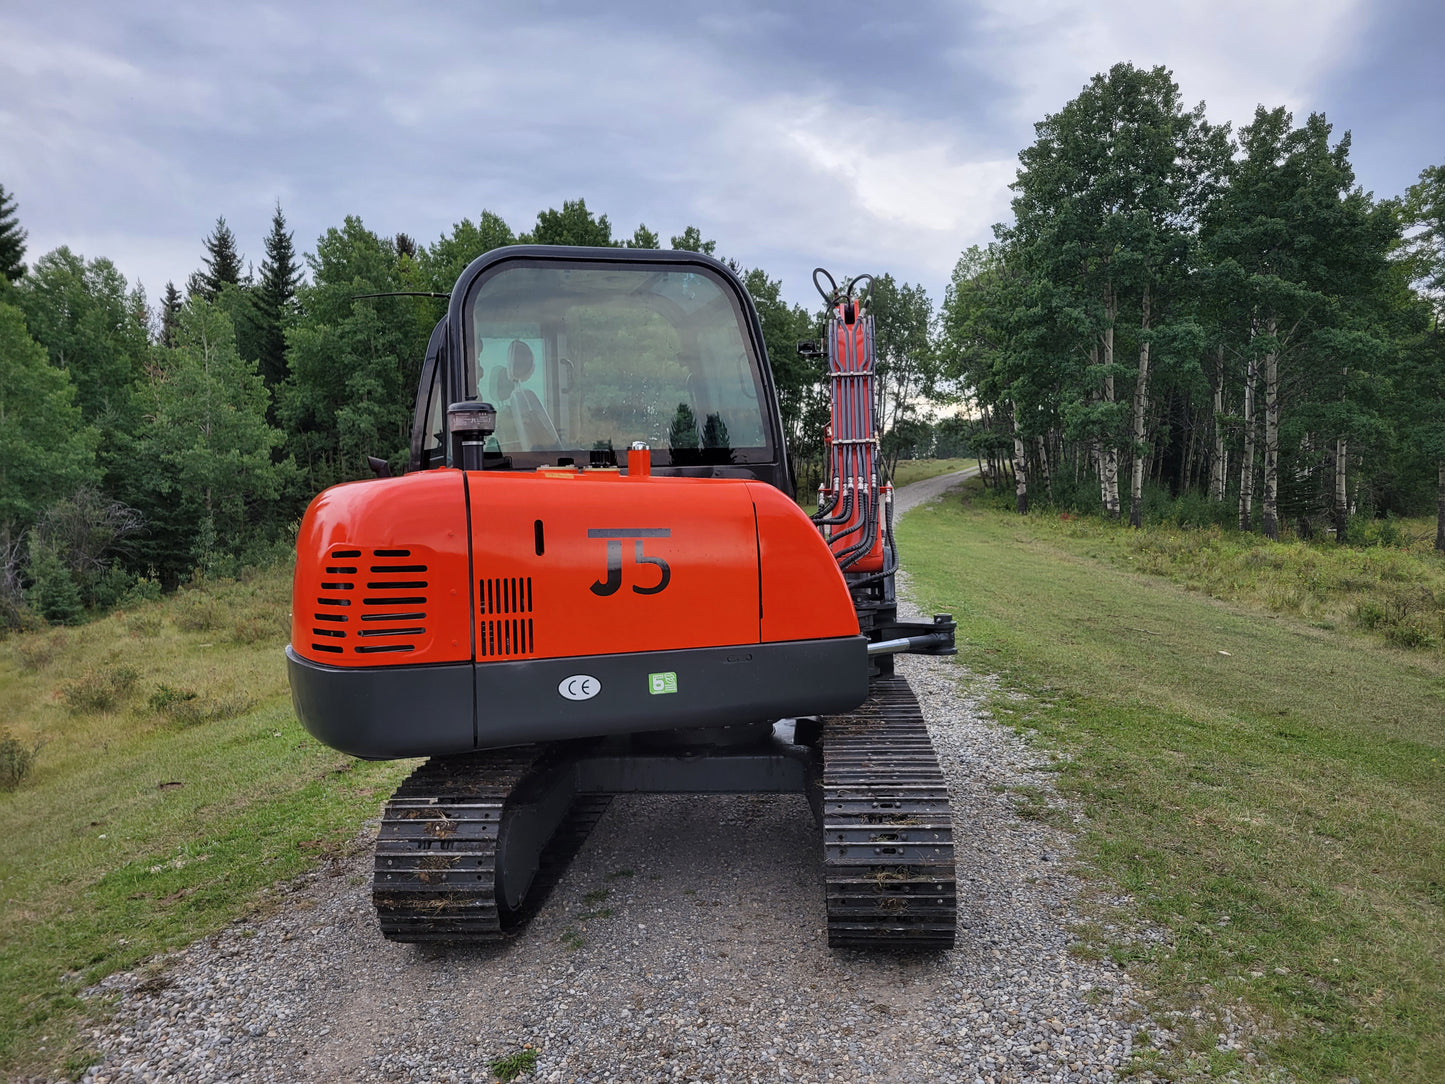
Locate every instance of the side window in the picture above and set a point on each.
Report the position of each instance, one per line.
(433, 441)
(428, 420)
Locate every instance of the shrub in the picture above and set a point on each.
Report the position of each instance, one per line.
(37, 652)
(147, 623)
(98, 690)
(109, 587)
(258, 626)
(1409, 634)
(16, 760)
(53, 594)
(84, 531)
(188, 708)
(196, 611)
(12, 586)
(165, 698)
(207, 709)
(1367, 531)
(145, 588)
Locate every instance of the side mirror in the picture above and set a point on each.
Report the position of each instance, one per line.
(379, 467)
(810, 348)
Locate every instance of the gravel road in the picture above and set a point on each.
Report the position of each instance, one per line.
(686, 943)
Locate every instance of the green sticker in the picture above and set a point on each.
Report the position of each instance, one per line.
(662, 683)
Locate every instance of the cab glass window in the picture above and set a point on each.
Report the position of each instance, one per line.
(578, 360)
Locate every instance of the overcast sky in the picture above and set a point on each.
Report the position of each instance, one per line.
(873, 137)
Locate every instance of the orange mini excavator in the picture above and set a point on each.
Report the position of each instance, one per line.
(593, 579)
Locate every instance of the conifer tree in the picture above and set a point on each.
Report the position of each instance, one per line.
(338, 414)
(170, 314)
(208, 436)
(683, 439)
(223, 263)
(275, 298)
(12, 238)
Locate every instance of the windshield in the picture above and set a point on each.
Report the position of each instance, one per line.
(582, 361)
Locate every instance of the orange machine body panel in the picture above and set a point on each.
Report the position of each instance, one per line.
(583, 562)
(804, 594)
(554, 564)
(381, 573)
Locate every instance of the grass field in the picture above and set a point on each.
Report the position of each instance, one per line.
(1258, 745)
(172, 784)
(1264, 773)
(917, 470)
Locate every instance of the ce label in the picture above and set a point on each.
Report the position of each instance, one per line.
(579, 687)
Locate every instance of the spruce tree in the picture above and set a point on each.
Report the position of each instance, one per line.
(12, 238)
(207, 439)
(683, 439)
(170, 314)
(223, 263)
(275, 298)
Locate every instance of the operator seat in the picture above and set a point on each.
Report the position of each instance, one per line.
(534, 428)
(508, 439)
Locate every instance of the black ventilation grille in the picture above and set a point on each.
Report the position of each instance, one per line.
(503, 630)
(371, 602)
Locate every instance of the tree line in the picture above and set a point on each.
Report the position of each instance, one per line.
(1225, 315)
(143, 444)
(1176, 312)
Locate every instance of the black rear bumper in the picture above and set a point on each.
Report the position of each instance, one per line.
(385, 712)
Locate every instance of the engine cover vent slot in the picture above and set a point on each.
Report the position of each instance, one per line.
(508, 637)
(504, 631)
(388, 594)
(506, 595)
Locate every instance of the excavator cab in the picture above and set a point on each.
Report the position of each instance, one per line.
(582, 355)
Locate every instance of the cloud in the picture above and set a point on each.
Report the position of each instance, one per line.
(1234, 54)
(867, 139)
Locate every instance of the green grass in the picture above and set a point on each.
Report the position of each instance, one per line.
(513, 1065)
(906, 472)
(916, 470)
(1270, 791)
(1396, 592)
(172, 785)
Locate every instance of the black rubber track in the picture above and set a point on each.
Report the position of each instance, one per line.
(435, 876)
(887, 832)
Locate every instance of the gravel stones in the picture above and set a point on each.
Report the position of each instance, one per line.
(686, 943)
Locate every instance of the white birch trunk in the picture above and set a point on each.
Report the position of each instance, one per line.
(1246, 469)
(1021, 467)
(1110, 479)
(1342, 511)
(1270, 511)
(1218, 466)
(1043, 447)
(1440, 510)
(1141, 412)
(1096, 446)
